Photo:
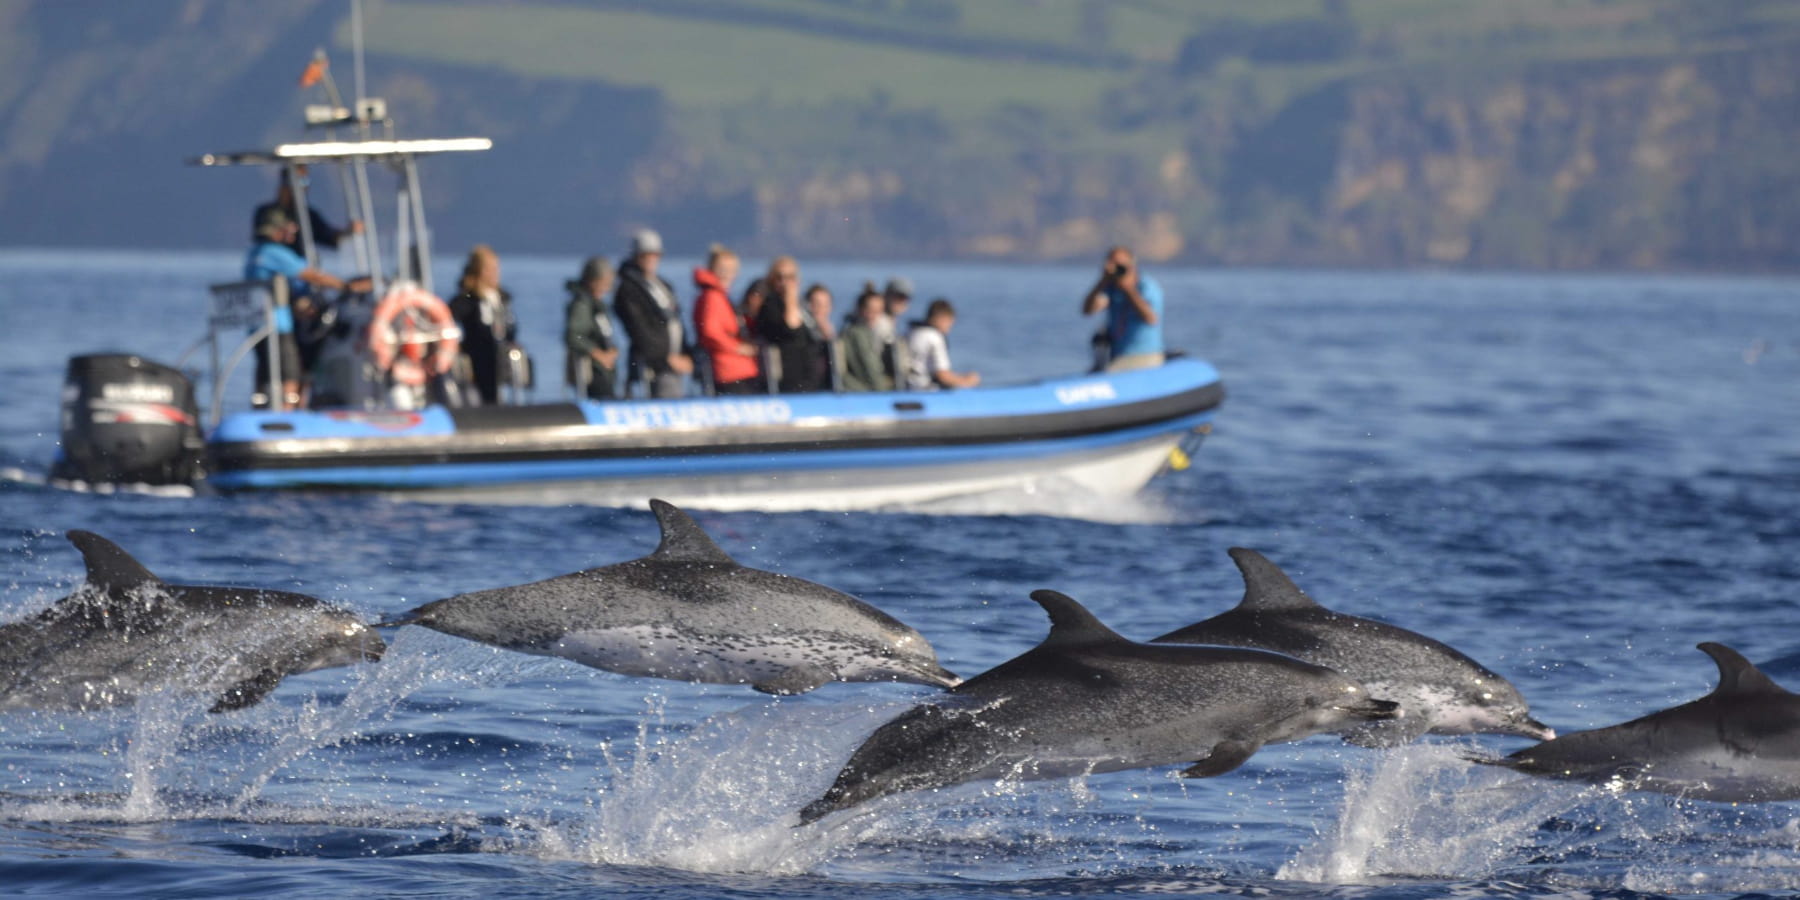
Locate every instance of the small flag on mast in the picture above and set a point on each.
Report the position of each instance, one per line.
(315, 71)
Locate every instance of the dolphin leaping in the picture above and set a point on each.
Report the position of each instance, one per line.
(1087, 700)
(1442, 690)
(1738, 744)
(126, 633)
(689, 612)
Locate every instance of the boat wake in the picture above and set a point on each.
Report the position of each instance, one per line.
(25, 478)
(1058, 500)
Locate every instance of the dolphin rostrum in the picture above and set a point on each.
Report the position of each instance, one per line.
(1738, 744)
(1441, 690)
(1087, 700)
(689, 612)
(126, 633)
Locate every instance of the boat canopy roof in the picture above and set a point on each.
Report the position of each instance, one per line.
(341, 151)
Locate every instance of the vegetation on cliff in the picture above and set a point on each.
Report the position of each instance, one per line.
(1539, 133)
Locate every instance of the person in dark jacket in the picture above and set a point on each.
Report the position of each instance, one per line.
(651, 314)
(588, 333)
(484, 311)
(324, 234)
(786, 322)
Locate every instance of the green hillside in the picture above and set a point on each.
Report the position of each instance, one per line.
(1534, 133)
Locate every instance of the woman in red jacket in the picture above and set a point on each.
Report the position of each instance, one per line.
(735, 369)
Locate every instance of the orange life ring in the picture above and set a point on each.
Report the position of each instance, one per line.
(407, 319)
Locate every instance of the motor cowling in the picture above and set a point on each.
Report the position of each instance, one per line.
(128, 420)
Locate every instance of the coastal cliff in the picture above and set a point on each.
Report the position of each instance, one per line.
(1586, 134)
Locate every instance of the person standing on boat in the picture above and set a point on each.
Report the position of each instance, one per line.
(588, 332)
(862, 346)
(270, 258)
(897, 296)
(929, 344)
(484, 311)
(735, 360)
(785, 321)
(647, 306)
(1134, 309)
(324, 234)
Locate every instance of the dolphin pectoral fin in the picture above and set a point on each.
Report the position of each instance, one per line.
(247, 693)
(797, 680)
(1225, 756)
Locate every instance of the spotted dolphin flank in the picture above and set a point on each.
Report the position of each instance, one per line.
(1738, 744)
(689, 612)
(1087, 701)
(1442, 691)
(126, 633)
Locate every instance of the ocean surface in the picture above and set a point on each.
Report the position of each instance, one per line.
(1573, 479)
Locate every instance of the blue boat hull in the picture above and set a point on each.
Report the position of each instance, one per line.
(796, 451)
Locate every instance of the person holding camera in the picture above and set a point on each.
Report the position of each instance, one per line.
(1134, 308)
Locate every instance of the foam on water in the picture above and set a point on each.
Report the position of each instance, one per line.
(1060, 500)
(1424, 811)
(723, 795)
(178, 762)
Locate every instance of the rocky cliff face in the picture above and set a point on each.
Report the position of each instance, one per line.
(1622, 164)
(1682, 160)
(1610, 165)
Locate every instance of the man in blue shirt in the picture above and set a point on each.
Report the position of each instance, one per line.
(269, 258)
(1134, 309)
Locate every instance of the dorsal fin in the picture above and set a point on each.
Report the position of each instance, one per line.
(109, 567)
(1266, 587)
(1737, 675)
(1070, 622)
(683, 540)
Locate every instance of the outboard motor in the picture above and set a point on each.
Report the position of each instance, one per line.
(127, 420)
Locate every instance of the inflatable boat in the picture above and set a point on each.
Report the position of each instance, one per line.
(377, 419)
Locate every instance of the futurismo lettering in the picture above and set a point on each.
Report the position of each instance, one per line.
(697, 415)
(1086, 393)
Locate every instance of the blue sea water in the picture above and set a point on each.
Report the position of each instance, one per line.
(1572, 479)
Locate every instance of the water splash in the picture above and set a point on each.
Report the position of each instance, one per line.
(722, 796)
(1423, 811)
(178, 762)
